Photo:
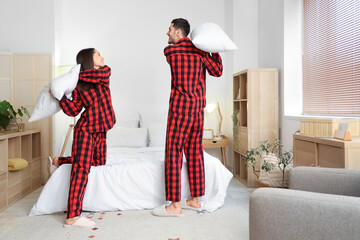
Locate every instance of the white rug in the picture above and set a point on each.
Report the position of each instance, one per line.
(229, 222)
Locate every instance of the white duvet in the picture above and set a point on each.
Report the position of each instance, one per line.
(133, 178)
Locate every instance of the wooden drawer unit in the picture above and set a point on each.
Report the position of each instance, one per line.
(326, 152)
(35, 174)
(3, 190)
(243, 140)
(3, 182)
(25, 186)
(25, 180)
(305, 153)
(16, 184)
(26, 172)
(3, 199)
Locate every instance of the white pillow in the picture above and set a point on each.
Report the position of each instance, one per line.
(65, 83)
(46, 105)
(153, 117)
(209, 37)
(127, 119)
(127, 137)
(156, 123)
(157, 134)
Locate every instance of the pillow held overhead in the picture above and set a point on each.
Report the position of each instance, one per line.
(65, 83)
(46, 105)
(209, 37)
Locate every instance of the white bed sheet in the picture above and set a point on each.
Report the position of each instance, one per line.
(133, 178)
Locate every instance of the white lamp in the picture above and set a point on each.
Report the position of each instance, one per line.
(210, 108)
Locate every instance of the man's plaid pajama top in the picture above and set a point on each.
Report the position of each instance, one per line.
(186, 115)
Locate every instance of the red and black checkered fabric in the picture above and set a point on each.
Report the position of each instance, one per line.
(89, 142)
(99, 115)
(89, 149)
(188, 74)
(186, 115)
(184, 134)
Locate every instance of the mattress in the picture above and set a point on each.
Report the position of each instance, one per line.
(133, 178)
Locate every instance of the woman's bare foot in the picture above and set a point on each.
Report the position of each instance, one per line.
(55, 162)
(71, 221)
(174, 208)
(80, 222)
(194, 202)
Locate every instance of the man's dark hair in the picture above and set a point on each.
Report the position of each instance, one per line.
(182, 24)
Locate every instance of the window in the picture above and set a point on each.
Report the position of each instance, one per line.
(331, 57)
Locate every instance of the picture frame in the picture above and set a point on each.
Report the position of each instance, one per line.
(343, 133)
(208, 134)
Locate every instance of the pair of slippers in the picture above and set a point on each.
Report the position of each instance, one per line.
(81, 223)
(161, 211)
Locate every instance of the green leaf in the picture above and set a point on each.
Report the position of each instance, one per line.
(4, 106)
(4, 121)
(20, 112)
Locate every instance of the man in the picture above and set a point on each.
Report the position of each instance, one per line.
(186, 117)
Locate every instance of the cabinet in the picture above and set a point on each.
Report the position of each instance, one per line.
(15, 185)
(22, 77)
(326, 152)
(218, 143)
(255, 104)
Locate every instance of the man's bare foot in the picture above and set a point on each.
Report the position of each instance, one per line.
(174, 208)
(71, 221)
(55, 162)
(194, 202)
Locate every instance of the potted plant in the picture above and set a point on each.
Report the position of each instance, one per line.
(9, 116)
(270, 157)
(284, 160)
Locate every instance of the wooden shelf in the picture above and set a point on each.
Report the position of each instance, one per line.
(255, 94)
(15, 185)
(35, 159)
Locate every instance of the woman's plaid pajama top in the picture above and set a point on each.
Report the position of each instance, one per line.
(89, 141)
(186, 115)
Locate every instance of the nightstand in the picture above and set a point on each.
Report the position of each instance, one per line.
(221, 143)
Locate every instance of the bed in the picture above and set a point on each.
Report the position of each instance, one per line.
(133, 177)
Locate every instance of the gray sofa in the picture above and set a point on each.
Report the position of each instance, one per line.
(321, 203)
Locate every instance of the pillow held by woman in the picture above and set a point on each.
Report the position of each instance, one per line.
(46, 105)
(65, 83)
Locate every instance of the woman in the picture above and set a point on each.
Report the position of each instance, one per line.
(89, 142)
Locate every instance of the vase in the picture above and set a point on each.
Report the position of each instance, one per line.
(16, 124)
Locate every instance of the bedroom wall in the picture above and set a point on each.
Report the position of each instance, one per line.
(27, 26)
(271, 54)
(259, 33)
(131, 35)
